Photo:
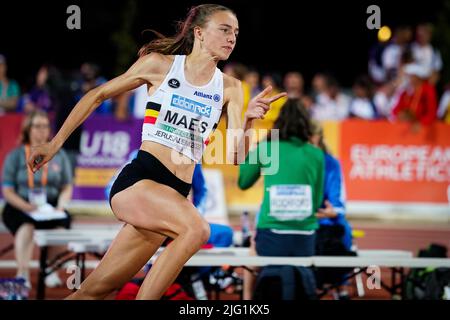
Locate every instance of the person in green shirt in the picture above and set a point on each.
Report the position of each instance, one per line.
(293, 194)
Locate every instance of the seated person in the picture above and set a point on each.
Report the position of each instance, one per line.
(283, 228)
(334, 236)
(24, 192)
(332, 211)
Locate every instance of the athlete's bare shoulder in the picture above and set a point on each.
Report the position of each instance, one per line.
(153, 67)
(155, 63)
(231, 87)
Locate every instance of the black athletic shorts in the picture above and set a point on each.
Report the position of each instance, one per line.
(146, 166)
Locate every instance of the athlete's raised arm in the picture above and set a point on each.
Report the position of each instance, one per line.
(141, 72)
(257, 108)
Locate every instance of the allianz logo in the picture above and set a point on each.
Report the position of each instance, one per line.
(203, 95)
(190, 105)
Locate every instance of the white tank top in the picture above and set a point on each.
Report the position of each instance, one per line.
(182, 116)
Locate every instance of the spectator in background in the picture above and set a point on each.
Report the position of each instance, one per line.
(90, 79)
(308, 103)
(284, 230)
(334, 236)
(40, 96)
(391, 57)
(362, 105)
(417, 102)
(443, 112)
(332, 210)
(252, 78)
(125, 104)
(293, 84)
(385, 99)
(318, 88)
(388, 94)
(274, 80)
(53, 184)
(9, 89)
(332, 104)
(424, 53)
(319, 85)
(375, 63)
(238, 71)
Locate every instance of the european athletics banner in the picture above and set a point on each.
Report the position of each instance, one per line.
(395, 162)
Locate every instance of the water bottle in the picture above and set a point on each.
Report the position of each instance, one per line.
(198, 288)
(245, 227)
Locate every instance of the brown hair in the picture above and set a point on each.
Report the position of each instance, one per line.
(293, 121)
(318, 130)
(182, 42)
(26, 125)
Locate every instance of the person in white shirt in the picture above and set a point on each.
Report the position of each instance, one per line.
(331, 104)
(392, 54)
(362, 104)
(424, 53)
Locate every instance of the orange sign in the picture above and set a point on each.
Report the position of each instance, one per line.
(395, 162)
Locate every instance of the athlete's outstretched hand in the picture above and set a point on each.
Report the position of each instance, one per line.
(40, 155)
(260, 104)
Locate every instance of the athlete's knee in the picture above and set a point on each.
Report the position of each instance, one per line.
(199, 232)
(205, 232)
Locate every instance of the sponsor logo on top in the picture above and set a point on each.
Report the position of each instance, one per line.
(215, 97)
(174, 83)
(191, 105)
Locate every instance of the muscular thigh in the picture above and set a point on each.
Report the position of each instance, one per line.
(154, 206)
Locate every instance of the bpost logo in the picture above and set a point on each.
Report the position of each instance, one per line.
(191, 105)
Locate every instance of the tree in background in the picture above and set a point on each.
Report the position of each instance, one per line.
(123, 38)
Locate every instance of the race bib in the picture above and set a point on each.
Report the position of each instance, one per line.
(37, 196)
(184, 124)
(290, 202)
